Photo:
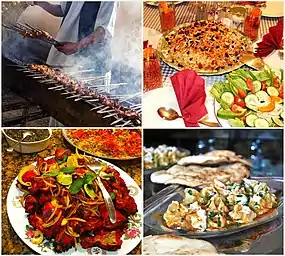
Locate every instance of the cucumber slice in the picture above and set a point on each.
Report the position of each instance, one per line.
(272, 91)
(252, 100)
(257, 86)
(261, 123)
(236, 122)
(228, 98)
(250, 119)
(278, 121)
(261, 95)
(263, 98)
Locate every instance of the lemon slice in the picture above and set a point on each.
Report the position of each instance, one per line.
(64, 179)
(89, 191)
(72, 161)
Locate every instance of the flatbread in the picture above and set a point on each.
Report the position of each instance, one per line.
(176, 245)
(194, 175)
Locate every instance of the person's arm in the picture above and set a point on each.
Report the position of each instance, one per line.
(53, 9)
(69, 48)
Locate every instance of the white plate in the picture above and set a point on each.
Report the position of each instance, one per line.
(273, 9)
(223, 122)
(165, 97)
(19, 221)
(152, 36)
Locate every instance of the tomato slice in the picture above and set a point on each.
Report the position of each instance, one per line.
(237, 109)
(263, 86)
(276, 82)
(239, 102)
(250, 85)
(241, 93)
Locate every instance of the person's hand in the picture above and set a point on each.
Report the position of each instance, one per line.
(67, 48)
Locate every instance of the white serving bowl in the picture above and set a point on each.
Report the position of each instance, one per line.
(29, 147)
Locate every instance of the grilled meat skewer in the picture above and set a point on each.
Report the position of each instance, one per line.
(79, 89)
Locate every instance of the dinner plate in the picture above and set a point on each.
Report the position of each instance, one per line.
(165, 97)
(93, 154)
(131, 238)
(273, 9)
(152, 36)
(155, 3)
(153, 215)
(162, 46)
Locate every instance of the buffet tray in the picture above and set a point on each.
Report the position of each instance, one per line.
(263, 237)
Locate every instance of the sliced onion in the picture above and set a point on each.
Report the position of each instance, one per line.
(71, 232)
(43, 167)
(51, 223)
(73, 210)
(77, 219)
(52, 214)
(49, 184)
(91, 203)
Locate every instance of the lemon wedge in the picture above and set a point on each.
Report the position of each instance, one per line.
(89, 190)
(64, 179)
(72, 161)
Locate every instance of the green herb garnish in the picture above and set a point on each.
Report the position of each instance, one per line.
(76, 186)
(67, 170)
(112, 195)
(51, 174)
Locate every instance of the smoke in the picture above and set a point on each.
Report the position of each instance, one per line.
(122, 55)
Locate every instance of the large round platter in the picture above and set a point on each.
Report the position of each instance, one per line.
(65, 135)
(155, 3)
(19, 221)
(273, 9)
(162, 46)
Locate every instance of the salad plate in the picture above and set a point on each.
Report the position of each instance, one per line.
(250, 99)
(20, 223)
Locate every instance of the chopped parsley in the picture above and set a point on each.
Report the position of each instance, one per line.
(211, 215)
(190, 192)
(219, 222)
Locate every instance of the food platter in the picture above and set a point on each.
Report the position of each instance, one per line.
(252, 104)
(153, 216)
(20, 223)
(147, 171)
(155, 3)
(273, 9)
(163, 50)
(97, 154)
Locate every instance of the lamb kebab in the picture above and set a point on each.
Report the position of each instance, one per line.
(77, 87)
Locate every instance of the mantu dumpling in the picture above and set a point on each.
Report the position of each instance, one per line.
(262, 202)
(242, 214)
(175, 215)
(191, 196)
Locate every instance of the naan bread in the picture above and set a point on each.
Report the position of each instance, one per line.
(176, 245)
(194, 175)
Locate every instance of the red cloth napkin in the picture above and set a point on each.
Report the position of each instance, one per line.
(271, 41)
(190, 93)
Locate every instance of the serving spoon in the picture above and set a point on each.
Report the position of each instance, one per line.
(170, 114)
(25, 135)
(96, 167)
